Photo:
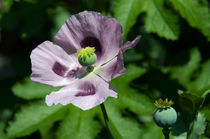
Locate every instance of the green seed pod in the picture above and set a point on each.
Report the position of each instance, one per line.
(88, 60)
(164, 116)
(86, 56)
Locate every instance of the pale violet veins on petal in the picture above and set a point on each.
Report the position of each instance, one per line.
(86, 93)
(115, 67)
(91, 29)
(51, 65)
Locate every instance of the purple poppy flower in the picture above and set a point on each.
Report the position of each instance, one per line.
(57, 65)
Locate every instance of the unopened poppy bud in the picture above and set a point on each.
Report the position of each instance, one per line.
(164, 116)
(86, 56)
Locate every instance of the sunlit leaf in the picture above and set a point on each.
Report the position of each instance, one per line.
(127, 11)
(181, 136)
(196, 13)
(28, 89)
(161, 20)
(197, 128)
(78, 124)
(131, 98)
(152, 131)
(122, 127)
(32, 117)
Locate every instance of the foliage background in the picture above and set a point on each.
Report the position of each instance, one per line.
(171, 61)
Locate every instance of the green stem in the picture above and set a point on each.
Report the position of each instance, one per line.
(106, 119)
(166, 132)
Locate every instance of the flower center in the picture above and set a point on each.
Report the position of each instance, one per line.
(86, 56)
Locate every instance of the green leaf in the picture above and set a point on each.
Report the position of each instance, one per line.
(179, 129)
(201, 82)
(207, 131)
(127, 11)
(197, 128)
(203, 137)
(206, 112)
(28, 89)
(122, 127)
(151, 130)
(205, 109)
(190, 104)
(196, 13)
(132, 56)
(31, 16)
(181, 136)
(60, 16)
(158, 20)
(78, 124)
(187, 70)
(131, 98)
(5, 6)
(32, 117)
(161, 20)
(132, 72)
(2, 134)
(46, 131)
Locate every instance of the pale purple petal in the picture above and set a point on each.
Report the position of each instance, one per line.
(85, 93)
(51, 65)
(129, 44)
(115, 67)
(94, 30)
(112, 70)
(120, 69)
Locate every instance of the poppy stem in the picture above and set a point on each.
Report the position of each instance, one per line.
(166, 132)
(106, 119)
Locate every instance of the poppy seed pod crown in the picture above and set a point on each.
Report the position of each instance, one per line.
(86, 56)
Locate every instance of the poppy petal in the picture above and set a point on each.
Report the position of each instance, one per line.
(115, 67)
(91, 29)
(51, 65)
(85, 93)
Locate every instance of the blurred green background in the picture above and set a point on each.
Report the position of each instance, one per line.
(172, 60)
